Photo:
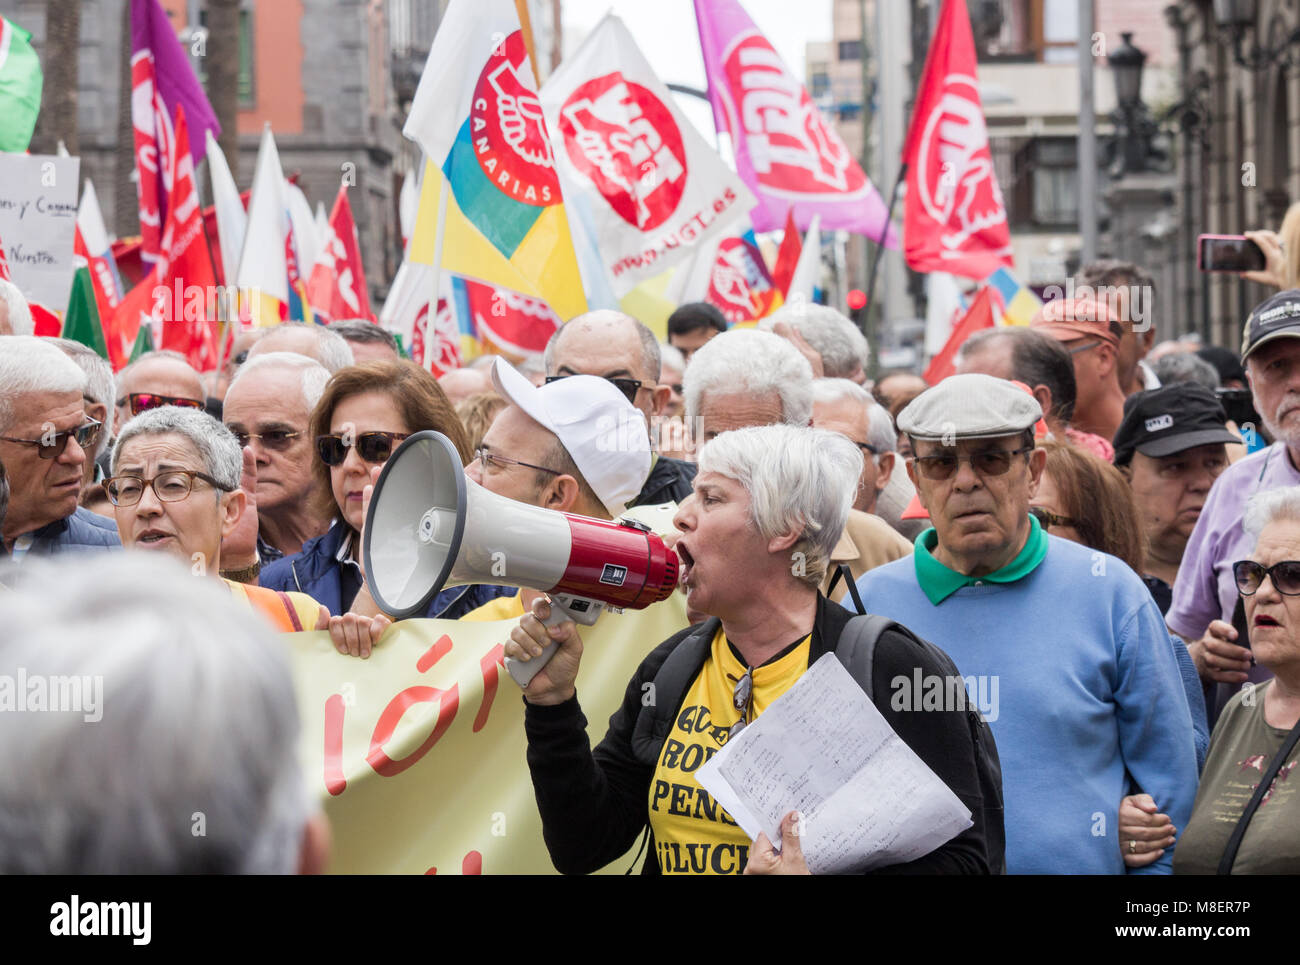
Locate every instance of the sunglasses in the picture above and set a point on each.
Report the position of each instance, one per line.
(993, 462)
(1250, 577)
(144, 401)
(169, 487)
(742, 698)
(371, 446)
(51, 447)
(629, 387)
(277, 440)
(1048, 519)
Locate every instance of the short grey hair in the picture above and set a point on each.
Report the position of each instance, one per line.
(99, 383)
(335, 353)
(649, 344)
(218, 448)
(1186, 367)
(842, 346)
(20, 313)
(110, 789)
(880, 427)
(312, 373)
(745, 360)
(162, 353)
(796, 478)
(1271, 506)
(362, 330)
(30, 364)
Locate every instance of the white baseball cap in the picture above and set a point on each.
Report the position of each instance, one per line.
(604, 434)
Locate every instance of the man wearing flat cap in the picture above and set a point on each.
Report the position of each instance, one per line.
(1061, 647)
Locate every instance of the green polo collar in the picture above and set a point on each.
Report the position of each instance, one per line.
(938, 582)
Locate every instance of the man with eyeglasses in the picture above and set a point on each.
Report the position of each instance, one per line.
(1085, 690)
(853, 414)
(618, 348)
(45, 440)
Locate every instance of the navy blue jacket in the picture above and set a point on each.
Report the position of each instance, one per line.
(83, 530)
(316, 572)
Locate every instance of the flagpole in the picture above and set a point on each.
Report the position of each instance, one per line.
(431, 316)
(880, 245)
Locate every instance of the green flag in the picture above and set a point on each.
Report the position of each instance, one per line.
(20, 87)
(143, 341)
(81, 322)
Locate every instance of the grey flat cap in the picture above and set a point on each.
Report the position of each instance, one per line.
(970, 407)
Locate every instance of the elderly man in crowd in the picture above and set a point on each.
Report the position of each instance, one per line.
(1205, 610)
(618, 348)
(1088, 692)
(157, 378)
(1092, 336)
(268, 407)
(15, 315)
(45, 439)
(749, 378)
(1171, 446)
(97, 400)
(462, 384)
(236, 355)
(845, 407)
(693, 324)
(1130, 289)
(833, 345)
(192, 708)
(314, 341)
(368, 341)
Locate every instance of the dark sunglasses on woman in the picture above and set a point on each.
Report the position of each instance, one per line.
(371, 446)
(1250, 577)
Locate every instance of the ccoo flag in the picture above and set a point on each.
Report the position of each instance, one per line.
(954, 219)
(785, 150)
(477, 117)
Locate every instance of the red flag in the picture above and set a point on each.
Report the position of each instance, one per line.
(4, 262)
(45, 322)
(980, 315)
(954, 219)
(337, 287)
(787, 256)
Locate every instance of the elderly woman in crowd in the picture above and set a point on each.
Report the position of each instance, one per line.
(763, 496)
(1254, 747)
(364, 414)
(175, 490)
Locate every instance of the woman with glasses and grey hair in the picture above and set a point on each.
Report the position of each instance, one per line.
(768, 506)
(1248, 804)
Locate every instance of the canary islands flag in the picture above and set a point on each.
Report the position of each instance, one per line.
(477, 117)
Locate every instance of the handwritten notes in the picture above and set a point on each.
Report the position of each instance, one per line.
(824, 749)
(38, 220)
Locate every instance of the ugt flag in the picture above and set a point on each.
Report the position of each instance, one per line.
(954, 219)
(653, 187)
(337, 287)
(785, 150)
(20, 87)
(730, 275)
(161, 81)
(477, 118)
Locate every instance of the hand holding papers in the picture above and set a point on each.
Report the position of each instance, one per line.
(825, 750)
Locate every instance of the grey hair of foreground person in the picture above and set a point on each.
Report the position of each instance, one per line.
(20, 313)
(842, 345)
(197, 720)
(217, 446)
(796, 478)
(29, 364)
(1269, 507)
(745, 361)
(880, 431)
(312, 373)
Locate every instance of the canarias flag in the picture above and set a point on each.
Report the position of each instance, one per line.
(477, 117)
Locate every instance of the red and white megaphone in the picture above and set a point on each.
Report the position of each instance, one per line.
(429, 527)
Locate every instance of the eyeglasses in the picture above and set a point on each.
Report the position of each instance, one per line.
(992, 462)
(629, 387)
(277, 440)
(51, 447)
(742, 698)
(371, 446)
(169, 487)
(491, 459)
(144, 401)
(1250, 577)
(1082, 348)
(868, 447)
(1048, 519)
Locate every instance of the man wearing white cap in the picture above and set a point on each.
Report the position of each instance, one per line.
(1062, 648)
(575, 445)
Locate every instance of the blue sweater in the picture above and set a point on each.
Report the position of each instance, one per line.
(1088, 694)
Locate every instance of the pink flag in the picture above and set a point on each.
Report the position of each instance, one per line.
(785, 151)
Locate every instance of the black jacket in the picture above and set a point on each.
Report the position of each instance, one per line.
(669, 482)
(594, 804)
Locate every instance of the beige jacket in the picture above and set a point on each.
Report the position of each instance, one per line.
(867, 542)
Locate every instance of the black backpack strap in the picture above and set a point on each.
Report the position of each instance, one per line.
(842, 572)
(1265, 782)
(670, 682)
(856, 648)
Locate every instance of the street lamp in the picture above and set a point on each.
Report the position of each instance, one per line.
(1235, 18)
(1134, 127)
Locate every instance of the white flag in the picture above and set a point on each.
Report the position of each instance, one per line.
(808, 270)
(261, 261)
(232, 219)
(654, 187)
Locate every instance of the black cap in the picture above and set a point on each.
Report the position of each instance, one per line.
(1275, 317)
(1170, 419)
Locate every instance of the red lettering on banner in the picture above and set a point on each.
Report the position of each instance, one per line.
(335, 782)
(447, 700)
(490, 666)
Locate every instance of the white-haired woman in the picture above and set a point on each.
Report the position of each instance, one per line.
(768, 506)
(1260, 725)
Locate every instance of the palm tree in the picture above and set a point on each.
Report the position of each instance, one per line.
(126, 213)
(58, 117)
(223, 75)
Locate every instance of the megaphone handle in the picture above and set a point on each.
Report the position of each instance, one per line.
(523, 671)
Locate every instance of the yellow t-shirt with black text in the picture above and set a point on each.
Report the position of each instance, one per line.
(693, 835)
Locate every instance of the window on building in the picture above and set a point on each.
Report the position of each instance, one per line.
(850, 49)
(1025, 31)
(819, 83)
(245, 56)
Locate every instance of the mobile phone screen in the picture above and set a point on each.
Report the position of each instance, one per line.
(1230, 254)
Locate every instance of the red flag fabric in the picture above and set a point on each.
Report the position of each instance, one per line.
(787, 256)
(511, 323)
(45, 322)
(954, 219)
(4, 262)
(980, 315)
(337, 287)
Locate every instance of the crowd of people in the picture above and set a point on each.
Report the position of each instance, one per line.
(1099, 532)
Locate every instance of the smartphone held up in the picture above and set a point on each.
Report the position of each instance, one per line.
(1232, 253)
